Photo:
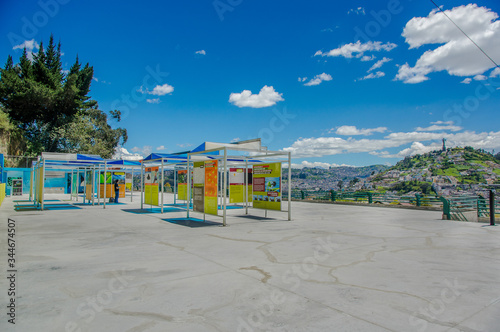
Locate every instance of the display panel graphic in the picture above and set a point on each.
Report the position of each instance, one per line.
(267, 186)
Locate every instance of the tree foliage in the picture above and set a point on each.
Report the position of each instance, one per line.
(52, 107)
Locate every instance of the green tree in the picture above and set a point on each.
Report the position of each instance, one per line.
(53, 108)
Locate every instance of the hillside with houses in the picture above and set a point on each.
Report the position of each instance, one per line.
(454, 171)
(450, 172)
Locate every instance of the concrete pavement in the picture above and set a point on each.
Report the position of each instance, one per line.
(333, 268)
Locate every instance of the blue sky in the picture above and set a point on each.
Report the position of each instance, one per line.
(354, 83)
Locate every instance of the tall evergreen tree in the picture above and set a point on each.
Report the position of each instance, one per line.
(46, 103)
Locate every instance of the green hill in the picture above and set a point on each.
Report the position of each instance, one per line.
(455, 166)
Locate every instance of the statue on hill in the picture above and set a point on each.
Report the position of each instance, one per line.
(444, 144)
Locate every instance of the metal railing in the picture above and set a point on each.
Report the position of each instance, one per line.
(366, 197)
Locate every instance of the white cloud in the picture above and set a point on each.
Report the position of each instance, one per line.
(495, 72)
(358, 49)
(236, 139)
(161, 90)
(373, 75)
(144, 151)
(358, 11)
(316, 164)
(440, 125)
(457, 55)
(379, 64)
(122, 153)
(202, 52)
(161, 147)
(324, 146)
(467, 80)
(153, 101)
(30, 46)
(414, 149)
(184, 145)
(480, 78)
(353, 131)
(302, 79)
(318, 79)
(265, 98)
(366, 58)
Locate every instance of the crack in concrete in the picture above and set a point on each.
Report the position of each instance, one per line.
(266, 275)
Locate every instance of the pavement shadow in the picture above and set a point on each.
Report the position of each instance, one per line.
(192, 222)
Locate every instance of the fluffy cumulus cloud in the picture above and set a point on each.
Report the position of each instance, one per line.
(467, 80)
(418, 141)
(302, 79)
(201, 52)
(357, 49)
(353, 131)
(265, 98)
(124, 154)
(318, 79)
(159, 90)
(144, 151)
(456, 54)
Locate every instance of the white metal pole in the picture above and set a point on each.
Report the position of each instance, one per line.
(85, 185)
(43, 183)
(289, 186)
(142, 184)
(188, 198)
(132, 187)
(105, 184)
(175, 185)
(224, 188)
(161, 185)
(93, 183)
(77, 183)
(246, 186)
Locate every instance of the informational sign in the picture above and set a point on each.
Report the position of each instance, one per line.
(88, 186)
(237, 185)
(151, 186)
(182, 184)
(267, 186)
(211, 176)
(128, 181)
(199, 186)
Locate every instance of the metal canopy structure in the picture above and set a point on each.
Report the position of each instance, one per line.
(241, 154)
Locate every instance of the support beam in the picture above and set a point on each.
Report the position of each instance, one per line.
(161, 184)
(105, 183)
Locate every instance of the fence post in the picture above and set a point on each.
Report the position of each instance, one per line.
(492, 208)
(333, 195)
(370, 198)
(302, 195)
(417, 196)
(446, 208)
